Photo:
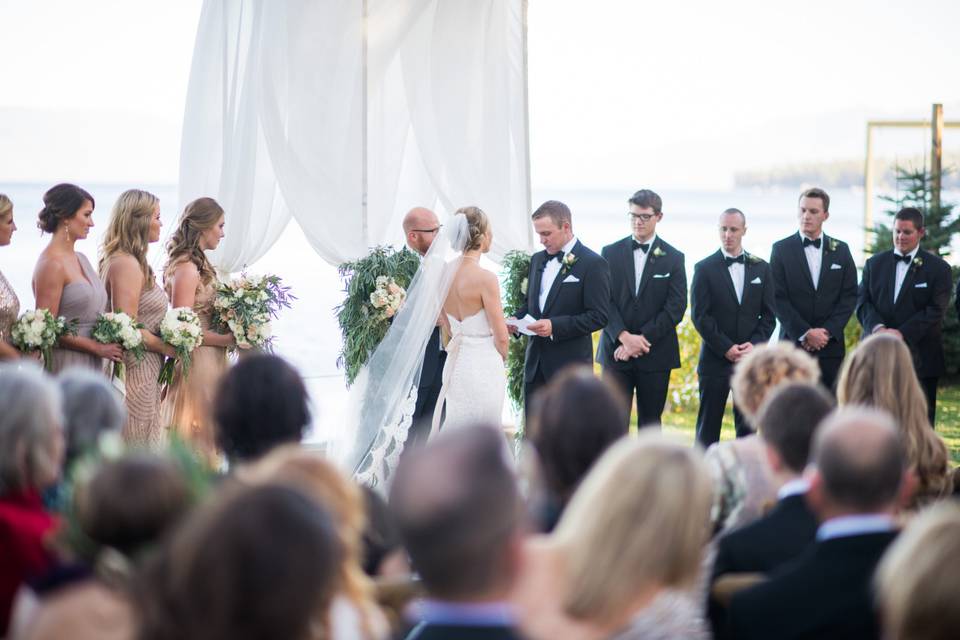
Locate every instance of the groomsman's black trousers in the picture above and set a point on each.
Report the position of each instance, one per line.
(930, 390)
(714, 391)
(829, 369)
(530, 388)
(651, 389)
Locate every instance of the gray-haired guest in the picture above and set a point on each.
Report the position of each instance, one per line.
(91, 407)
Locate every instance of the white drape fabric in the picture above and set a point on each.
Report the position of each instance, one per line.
(278, 125)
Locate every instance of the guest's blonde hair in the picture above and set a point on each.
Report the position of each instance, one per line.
(765, 368)
(643, 491)
(6, 206)
(478, 224)
(129, 230)
(879, 373)
(917, 581)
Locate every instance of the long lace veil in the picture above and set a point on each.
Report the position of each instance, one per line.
(383, 397)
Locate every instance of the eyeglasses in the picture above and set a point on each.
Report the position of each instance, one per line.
(434, 230)
(643, 217)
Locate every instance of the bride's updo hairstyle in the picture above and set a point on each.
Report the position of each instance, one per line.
(61, 202)
(198, 216)
(478, 224)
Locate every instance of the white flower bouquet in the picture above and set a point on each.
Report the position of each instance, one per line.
(116, 327)
(40, 330)
(387, 297)
(181, 329)
(245, 305)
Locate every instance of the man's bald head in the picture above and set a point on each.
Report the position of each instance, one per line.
(420, 227)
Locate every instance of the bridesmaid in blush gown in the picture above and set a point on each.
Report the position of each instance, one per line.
(9, 303)
(132, 288)
(190, 281)
(66, 284)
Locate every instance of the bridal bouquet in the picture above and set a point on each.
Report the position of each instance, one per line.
(388, 297)
(180, 328)
(119, 328)
(38, 329)
(245, 305)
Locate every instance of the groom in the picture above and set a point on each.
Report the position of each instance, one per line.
(420, 227)
(568, 292)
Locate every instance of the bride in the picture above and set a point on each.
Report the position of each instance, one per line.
(449, 290)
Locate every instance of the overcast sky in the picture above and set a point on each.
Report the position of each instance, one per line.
(677, 94)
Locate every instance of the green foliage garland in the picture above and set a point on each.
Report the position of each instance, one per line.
(514, 273)
(363, 326)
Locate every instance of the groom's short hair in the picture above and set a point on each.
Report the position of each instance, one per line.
(457, 506)
(556, 211)
(646, 199)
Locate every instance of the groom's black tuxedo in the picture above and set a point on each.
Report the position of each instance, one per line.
(917, 312)
(801, 306)
(576, 305)
(428, 389)
(722, 322)
(653, 310)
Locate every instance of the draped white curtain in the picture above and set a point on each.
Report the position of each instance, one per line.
(301, 108)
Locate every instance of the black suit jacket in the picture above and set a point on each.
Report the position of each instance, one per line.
(824, 594)
(654, 310)
(720, 319)
(799, 306)
(433, 358)
(576, 305)
(458, 632)
(918, 311)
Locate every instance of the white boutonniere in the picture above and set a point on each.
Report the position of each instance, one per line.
(523, 286)
(832, 244)
(917, 261)
(657, 253)
(752, 259)
(567, 263)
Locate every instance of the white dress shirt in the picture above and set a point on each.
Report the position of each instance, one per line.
(855, 525)
(551, 270)
(640, 260)
(814, 258)
(902, 268)
(737, 273)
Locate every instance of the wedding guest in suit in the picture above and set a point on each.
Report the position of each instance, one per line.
(457, 505)
(732, 302)
(858, 479)
(904, 292)
(878, 373)
(568, 294)
(815, 286)
(790, 417)
(918, 578)
(648, 296)
(420, 227)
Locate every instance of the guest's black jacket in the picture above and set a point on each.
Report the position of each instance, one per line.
(723, 321)
(461, 632)
(799, 306)
(654, 310)
(918, 311)
(825, 594)
(576, 306)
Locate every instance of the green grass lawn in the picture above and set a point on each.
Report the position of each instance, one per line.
(948, 421)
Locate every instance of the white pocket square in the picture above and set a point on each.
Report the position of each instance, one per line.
(662, 275)
(921, 285)
(755, 280)
(835, 266)
(571, 278)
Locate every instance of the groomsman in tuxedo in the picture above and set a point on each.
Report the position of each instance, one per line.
(420, 227)
(732, 302)
(905, 292)
(815, 286)
(648, 296)
(568, 294)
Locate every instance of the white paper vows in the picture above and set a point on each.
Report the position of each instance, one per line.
(522, 323)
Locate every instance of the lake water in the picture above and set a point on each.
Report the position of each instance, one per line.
(308, 334)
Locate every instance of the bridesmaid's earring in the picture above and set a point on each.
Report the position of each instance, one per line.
(66, 230)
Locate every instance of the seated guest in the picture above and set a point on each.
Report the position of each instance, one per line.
(789, 417)
(858, 479)
(919, 578)
(879, 373)
(253, 563)
(595, 576)
(261, 403)
(383, 554)
(743, 481)
(90, 408)
(458, 508)
(31, 455)
(575, 418)
(126, 506)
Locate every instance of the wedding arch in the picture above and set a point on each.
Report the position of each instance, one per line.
(343, 114)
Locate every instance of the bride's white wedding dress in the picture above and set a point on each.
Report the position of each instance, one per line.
(474, 376)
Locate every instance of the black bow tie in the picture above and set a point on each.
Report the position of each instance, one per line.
(807, 242)
(905, 259)
(558, 256)
(730, 260)
(643, 246)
